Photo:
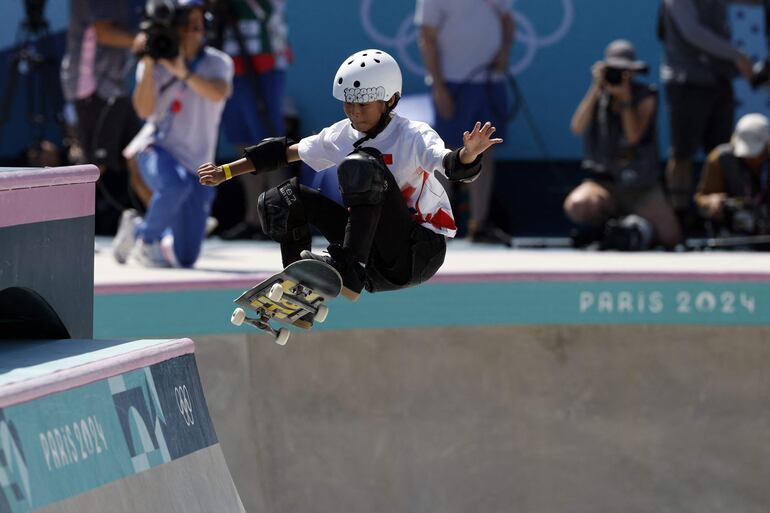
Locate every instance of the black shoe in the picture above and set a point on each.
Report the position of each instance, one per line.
(492, 236)
(353, 274)
(243, 231)
(586, 236)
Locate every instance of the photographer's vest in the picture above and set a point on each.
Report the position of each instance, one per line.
(740, 181)
(684, 62)
(627, 166)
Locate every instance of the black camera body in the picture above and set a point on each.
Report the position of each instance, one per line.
(35, 21)
(744, 218)
(613, 76)
(160, 26)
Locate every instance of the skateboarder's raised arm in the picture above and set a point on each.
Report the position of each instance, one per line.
(268, 155)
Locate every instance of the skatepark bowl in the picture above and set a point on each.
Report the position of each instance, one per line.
(537, 381)
(524, 381)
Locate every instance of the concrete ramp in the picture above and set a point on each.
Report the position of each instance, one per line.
(570, 419)
(540, 382)
(108, 426)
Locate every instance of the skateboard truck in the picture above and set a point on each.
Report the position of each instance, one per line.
(281, 335)
(296, 296)
(275, 294)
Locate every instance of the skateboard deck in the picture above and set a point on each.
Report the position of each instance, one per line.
(295, 296)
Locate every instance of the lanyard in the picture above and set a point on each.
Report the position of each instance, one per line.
(164, 124)
(176, 104)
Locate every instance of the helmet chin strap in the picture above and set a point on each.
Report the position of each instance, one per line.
(380, 126)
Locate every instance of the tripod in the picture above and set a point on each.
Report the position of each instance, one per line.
(33, 64)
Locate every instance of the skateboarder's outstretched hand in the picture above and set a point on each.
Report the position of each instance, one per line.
(478, 140)
(210, 174)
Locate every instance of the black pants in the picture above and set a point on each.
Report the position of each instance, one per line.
(105, 127)
(701, 117)
(403, 253)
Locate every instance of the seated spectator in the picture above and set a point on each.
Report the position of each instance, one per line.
(622, 197)
(732, 192)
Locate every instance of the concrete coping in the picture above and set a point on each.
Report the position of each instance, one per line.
(25, 178)
(33, 369)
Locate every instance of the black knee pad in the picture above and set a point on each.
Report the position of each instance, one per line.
(282, 214)
(362, 177)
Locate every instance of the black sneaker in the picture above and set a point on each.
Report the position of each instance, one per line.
(492, 236)
(243, 231)
(353, 274)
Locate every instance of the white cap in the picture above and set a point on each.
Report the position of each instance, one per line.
(367, 76)
(751, 135)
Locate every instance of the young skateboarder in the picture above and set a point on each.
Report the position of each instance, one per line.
(392, 231)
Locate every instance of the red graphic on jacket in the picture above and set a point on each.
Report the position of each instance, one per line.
(440, 219)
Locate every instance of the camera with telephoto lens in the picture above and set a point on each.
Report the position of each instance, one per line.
(613, 76)
(741, 217)
(35, 10)
(629, 233)
(160, 26)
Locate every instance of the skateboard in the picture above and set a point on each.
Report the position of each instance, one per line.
(296, 296)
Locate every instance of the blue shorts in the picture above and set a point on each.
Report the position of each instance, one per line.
(243, 123)
(473, 102)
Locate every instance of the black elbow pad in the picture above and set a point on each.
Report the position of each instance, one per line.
(268, 155)
(456, 171)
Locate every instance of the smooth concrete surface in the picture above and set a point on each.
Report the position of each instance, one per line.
(559, 419)
(225, 264)
(196, 483)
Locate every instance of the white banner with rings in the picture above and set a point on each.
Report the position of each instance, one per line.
(527, 36)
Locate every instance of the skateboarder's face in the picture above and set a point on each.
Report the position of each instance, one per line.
(364, 116)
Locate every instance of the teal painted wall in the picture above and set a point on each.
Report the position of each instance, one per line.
(202, 312)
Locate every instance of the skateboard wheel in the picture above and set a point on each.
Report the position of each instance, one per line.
(238, 316)
(282, 337)
(276, 292)
(321, 314)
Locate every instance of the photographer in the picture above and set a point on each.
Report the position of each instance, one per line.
(100, 39)
(732, 192)
(617, 119)
(699, 66)
(181, 89)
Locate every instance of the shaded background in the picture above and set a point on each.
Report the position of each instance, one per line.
(556, 43)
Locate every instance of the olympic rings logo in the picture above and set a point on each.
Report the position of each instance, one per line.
(184, 404)
(526, 34)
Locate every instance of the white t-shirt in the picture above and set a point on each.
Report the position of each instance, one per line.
(412, 150)
(470, 34)
(184, 123)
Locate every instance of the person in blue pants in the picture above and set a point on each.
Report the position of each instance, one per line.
(181, 98)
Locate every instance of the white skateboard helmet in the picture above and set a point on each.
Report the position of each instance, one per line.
(367, 76)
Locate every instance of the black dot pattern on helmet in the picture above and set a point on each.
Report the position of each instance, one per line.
(377, 61)
(378, 52)
(363, 64)
(356, 84)
(339, 80)
(350, 62)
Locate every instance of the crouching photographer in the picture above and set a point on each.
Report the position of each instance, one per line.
(732, 193)
(182, 85)
(621, 203)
